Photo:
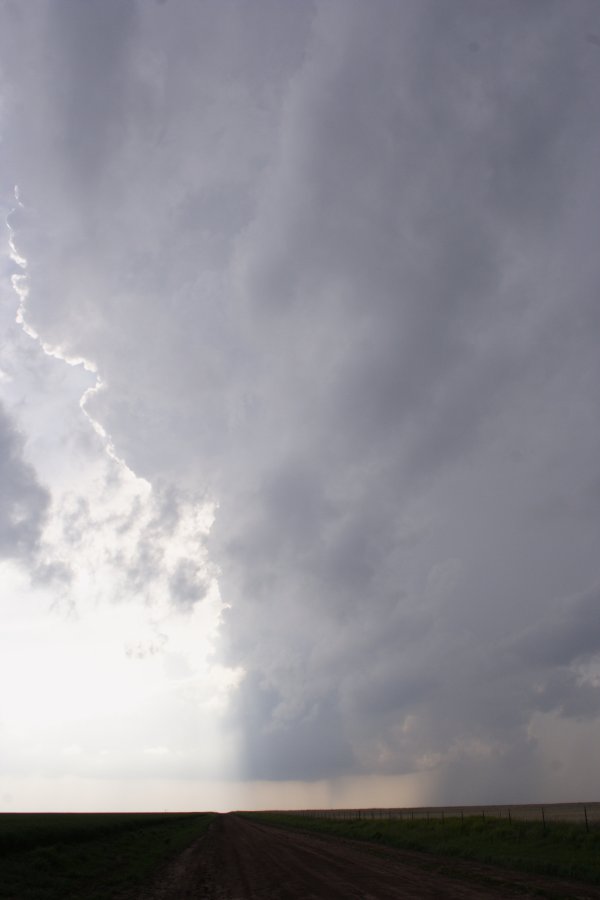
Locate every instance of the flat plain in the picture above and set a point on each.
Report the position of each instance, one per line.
(47, 856)
(241, 858)
(283, 856)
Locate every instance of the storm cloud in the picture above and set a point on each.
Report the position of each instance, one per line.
(24, 502)
(335, 265)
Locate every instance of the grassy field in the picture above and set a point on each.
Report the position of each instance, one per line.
(558, 849)
(88, 855)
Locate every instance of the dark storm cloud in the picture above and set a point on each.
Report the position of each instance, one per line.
(87, 68)
(188, 584)
(24, 501)
(340, 275)
(569, 633)
(277, 740)
(403, 325)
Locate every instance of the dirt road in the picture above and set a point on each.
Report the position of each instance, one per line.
(239, 859)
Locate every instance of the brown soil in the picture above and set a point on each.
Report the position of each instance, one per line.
(238, 859)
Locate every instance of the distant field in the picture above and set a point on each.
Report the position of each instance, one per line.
(575, 813)
(524, 841)
(98, 856)
(47, 856)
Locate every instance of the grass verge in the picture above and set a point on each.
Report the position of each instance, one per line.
(95, 856)
(557, 849)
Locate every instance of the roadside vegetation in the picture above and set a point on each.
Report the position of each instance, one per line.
(47, 856)
(556, 849)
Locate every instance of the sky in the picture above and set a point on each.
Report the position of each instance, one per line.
(299, 403)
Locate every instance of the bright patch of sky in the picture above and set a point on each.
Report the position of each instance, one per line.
(105, 652)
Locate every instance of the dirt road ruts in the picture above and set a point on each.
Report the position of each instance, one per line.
(239, 859)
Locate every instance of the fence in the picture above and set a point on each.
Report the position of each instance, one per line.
(584, 814)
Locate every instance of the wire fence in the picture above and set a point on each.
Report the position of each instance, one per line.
(586, 814)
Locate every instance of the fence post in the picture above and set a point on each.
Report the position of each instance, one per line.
(509, 818)
(587, 827)
(543, 820)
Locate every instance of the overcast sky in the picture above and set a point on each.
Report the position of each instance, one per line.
(299, 386)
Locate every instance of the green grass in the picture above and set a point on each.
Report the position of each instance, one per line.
(93, 855)
(558, 849)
